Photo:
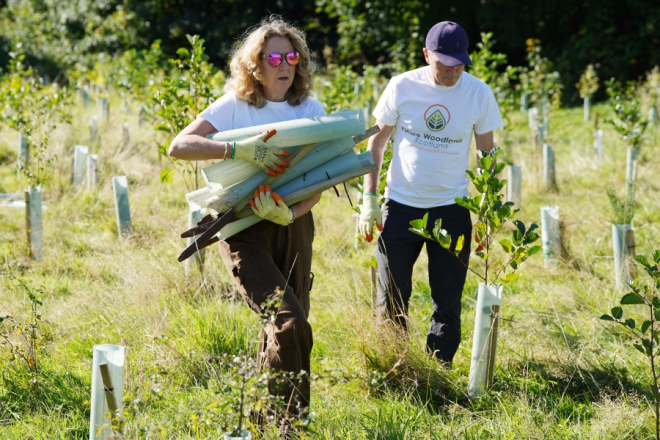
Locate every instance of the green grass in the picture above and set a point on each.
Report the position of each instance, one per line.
(561, 372)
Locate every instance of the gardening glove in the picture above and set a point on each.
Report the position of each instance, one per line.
(370, 211)
(270, 206)
(256, 151)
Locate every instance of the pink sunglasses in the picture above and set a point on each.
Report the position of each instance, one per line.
(275, 59)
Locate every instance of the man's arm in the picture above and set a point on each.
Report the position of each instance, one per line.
(376, 146)
(484, 141)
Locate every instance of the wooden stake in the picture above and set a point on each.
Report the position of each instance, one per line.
(108, 388)
(492, 342)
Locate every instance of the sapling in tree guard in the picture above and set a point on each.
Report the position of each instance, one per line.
(492, 214)
(623, 238)
(628, 122)
(645, 337)
(588, 86)
(35, 111)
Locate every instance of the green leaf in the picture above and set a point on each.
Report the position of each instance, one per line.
(617, 312)
(420, 223)
(163, 127)
(607, 318)
(517, 237)
(656, 302)
(445, 241)
(510, 278)
(438, 232)
(534, 250)
(166, 175)
(486, 162)
(656, 256)
(459, 244)
(521, 226)
(530, 237)
(645, 326)
(640, 348)
(630, 323)
(498, 168)
(506, 245)
(641, 259)
(632, 298)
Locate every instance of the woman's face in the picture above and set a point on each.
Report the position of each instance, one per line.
(277, 80)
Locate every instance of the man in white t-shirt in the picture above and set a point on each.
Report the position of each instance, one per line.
(433, 113)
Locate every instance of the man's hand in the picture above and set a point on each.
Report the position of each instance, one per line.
(270, 206)
(256, 151)
(370, 211)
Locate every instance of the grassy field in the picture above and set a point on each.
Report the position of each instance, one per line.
(562, 373)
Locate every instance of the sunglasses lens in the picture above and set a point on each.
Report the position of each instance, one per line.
(274, 59)
(292, 58)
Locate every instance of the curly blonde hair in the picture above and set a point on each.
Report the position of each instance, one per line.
(246, 79)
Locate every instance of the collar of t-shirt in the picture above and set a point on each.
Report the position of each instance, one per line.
(276, 104)
(438, 86)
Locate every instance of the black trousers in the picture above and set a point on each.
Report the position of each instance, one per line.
(397, 251)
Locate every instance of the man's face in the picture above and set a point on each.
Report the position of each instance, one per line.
(443, 75)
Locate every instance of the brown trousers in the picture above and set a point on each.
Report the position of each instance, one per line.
(262, 259)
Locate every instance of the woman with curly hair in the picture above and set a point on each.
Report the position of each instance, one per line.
(271, 78)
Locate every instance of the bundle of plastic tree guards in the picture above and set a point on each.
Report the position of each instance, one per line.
(322, 155)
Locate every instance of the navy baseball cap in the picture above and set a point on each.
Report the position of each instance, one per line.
(449, 41)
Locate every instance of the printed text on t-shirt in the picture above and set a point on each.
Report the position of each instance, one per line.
(430, 140)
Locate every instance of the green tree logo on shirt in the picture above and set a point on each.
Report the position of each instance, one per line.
(437, 117)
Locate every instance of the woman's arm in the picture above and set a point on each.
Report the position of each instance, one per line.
(302, 208)
(192, 144)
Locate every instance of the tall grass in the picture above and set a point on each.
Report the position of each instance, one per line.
(560, 372)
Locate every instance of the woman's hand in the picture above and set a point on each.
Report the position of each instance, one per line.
(270, 206)
(255, 150)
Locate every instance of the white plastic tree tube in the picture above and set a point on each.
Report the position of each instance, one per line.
(322, 153)
(550, 234)
(487, 297)
(113, 355)
(80, 153)
(120, 190)
(514, 185)
(85, 96)
(293, 197)
(620, 245)
(533, 115)
(631, 165)
(23, 149)
(292, 133)
(549, 180)
(35, 229)
(524, 102)
(193, 218)
(598, 144)
(93, 128)
(587, 108)
(343, 164)
(653, 114)
(92, 171)
(103, 108)
(126, 137)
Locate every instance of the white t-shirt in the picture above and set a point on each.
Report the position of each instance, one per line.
(229, 112)
(433, 128)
